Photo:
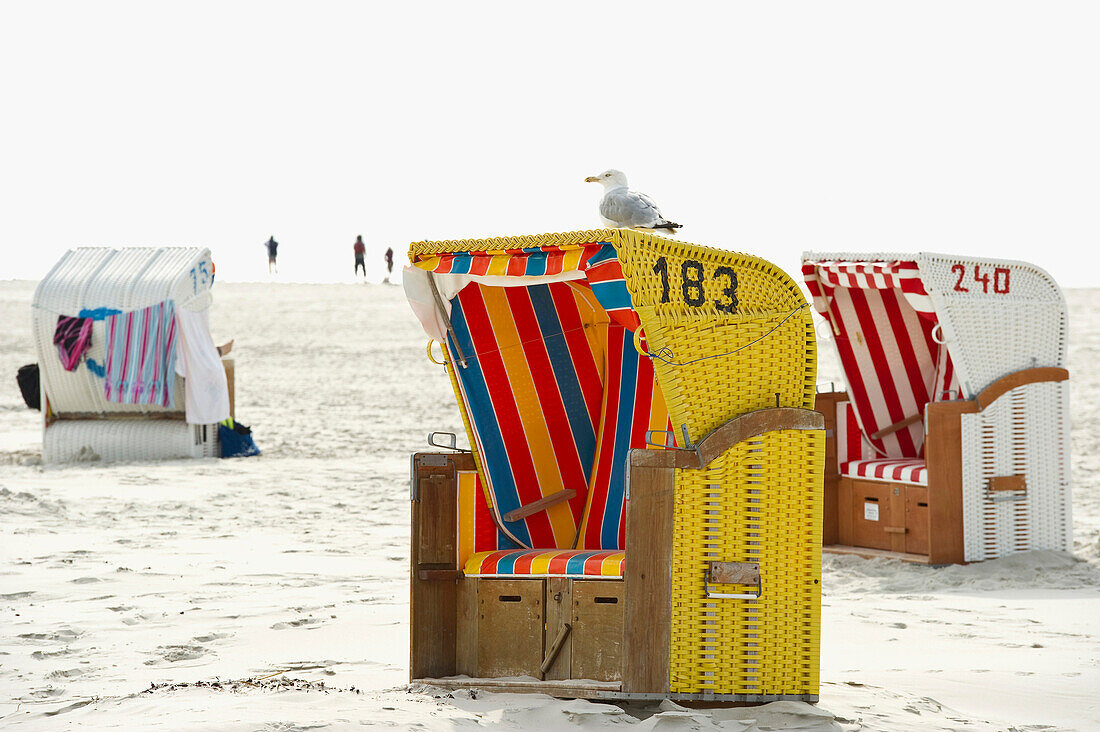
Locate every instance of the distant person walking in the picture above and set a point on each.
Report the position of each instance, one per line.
(272, 253)
(389, 263)
(360, 251)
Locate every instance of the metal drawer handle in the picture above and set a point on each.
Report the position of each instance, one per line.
(732, 573)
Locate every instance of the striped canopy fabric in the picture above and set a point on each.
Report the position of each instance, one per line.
(552, 386)
(898, 275)
(632, 405)
(595, 263)
(532, 386)
(883, 324)
(556, 394)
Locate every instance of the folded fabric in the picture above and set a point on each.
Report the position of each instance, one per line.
(141, 356)
(205, 388)
(72, 336)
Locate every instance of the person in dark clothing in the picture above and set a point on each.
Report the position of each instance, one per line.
(389, 263)
(272, 252)
(360, 251)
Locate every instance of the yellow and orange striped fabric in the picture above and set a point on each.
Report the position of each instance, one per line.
(546, 563)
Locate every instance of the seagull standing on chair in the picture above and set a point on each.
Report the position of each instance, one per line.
(622, 208)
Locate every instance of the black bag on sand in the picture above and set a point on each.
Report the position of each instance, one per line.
(28, 385)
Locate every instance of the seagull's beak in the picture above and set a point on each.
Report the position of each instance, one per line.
(592, 179)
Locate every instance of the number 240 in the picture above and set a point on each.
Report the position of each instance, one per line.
(1001, 283)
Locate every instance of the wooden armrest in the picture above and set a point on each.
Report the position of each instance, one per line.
(1019, 378)
(722, 438)
(540, 505)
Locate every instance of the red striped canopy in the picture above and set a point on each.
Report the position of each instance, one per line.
(883, 322)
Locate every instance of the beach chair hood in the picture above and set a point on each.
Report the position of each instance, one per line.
(916, 328)
(545, 337)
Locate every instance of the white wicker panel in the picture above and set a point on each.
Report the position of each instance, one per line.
(114, 440)
(1025, 432)
(991, 334)
(125, 279)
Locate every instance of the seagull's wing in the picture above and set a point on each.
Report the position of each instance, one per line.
(628, 208)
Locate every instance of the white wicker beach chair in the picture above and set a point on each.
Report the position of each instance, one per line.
(952, 441)
(79, 421)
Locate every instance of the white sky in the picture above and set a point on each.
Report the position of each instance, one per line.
(768, 128)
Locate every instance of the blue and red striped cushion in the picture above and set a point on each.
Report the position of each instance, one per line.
(546, 563)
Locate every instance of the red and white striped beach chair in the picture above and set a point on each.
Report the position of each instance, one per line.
(951, 442)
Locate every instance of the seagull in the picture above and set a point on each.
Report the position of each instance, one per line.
(623, 208)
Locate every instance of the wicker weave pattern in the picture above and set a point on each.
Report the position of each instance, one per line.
(421, 249)
(1022, 433)
(112, 440)
(777, 364)
(760, 502)
(992, 334)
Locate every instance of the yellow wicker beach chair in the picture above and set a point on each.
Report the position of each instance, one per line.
(640, 515)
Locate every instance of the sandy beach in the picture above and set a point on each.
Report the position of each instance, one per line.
(271, 593)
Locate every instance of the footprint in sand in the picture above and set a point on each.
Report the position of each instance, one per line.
(43, 655)
(210, 637)
(175, 653)
(303, 622)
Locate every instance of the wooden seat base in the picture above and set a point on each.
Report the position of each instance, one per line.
(548, 629)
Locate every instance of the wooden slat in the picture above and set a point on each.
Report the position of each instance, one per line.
(466, 631)
(1008, 483)
(874, 553)
(567, 688)
(1019, 378)
(429, 573)
(510, 627)
(437, 539)
(597, 643)
(230, 367)
(891, 429)
(540, 505)
(555, 648)
(916, 519)
(827, 404)
(149, 416)
(559, 612)
(647, 611)
(433, 603)
(895, 528)
(845, 532)
(943, 456)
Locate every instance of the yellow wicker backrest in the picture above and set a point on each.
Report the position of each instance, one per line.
(731, 332)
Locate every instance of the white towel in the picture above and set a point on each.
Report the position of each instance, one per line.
(205, 387)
